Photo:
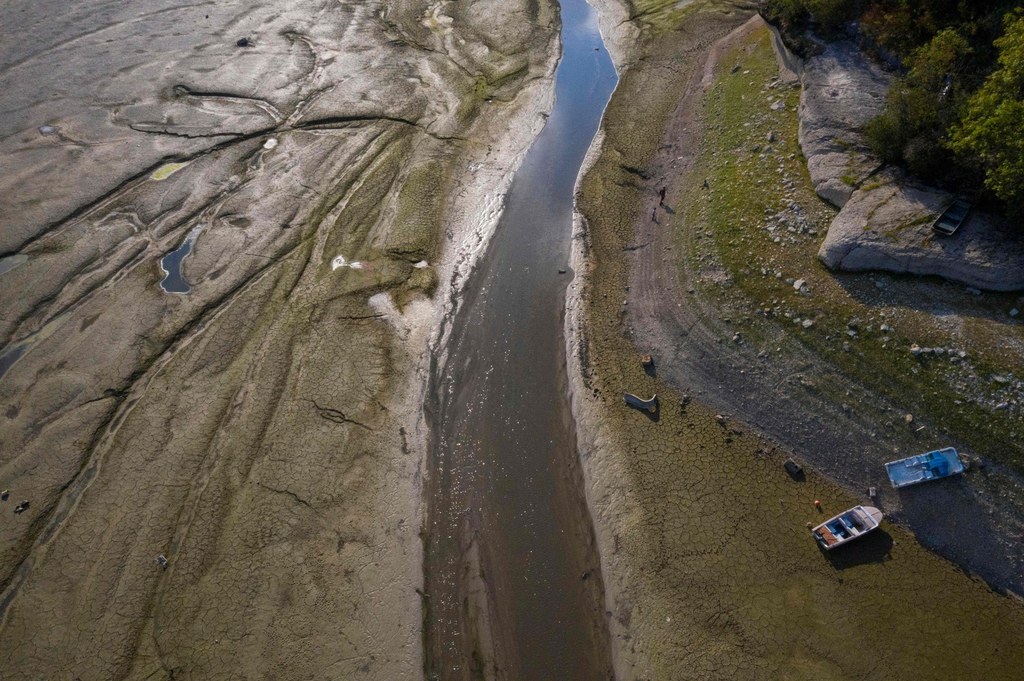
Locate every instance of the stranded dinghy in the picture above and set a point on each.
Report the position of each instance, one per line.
(847, 526)
(930, 466)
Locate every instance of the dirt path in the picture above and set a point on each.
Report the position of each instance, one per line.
(693, 341)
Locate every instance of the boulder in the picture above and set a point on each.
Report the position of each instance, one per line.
(886, 225)
(842, 91)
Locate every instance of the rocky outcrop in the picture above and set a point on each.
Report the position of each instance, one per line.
(842, 91)
(886, 225)
(885, 217)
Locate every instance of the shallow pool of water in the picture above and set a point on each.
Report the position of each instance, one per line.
(171, 266)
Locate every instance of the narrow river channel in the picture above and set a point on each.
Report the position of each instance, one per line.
(512, 575)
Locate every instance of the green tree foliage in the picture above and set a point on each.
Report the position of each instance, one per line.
(991, 133)
(829, 16)
(956, 116)
(922, 106)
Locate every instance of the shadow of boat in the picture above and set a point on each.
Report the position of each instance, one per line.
(873, 547)
(648, 408)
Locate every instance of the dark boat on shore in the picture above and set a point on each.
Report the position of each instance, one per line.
(951, 218)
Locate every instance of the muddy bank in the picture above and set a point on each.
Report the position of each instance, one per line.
(263, 431)
(708, 565)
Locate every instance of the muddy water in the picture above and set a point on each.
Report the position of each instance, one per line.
(513, 581)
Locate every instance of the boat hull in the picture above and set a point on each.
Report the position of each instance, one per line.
(933, 465)
(847, 526)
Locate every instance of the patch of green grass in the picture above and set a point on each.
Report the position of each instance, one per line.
(746, 190)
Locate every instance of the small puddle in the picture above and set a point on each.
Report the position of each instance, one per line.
(10, 262)
(10, 356)
(170, 265)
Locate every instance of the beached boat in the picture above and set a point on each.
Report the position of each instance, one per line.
(847, 526)
(952, 217)
(930, 466)
(650, 405)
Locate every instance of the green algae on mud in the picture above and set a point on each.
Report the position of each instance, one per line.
(745, 174)
(701, 529)
(166, 170)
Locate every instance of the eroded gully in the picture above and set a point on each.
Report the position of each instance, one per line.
(513, 584)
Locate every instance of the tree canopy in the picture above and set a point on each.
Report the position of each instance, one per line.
(955, 115)
(990, 134)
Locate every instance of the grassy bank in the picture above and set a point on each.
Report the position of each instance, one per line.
(761, 225)
(701, 531)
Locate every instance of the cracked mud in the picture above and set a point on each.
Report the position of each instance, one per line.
(709, 570)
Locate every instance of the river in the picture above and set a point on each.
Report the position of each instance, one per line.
(513, 584)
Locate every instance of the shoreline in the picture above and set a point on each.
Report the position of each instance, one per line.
(633, 466)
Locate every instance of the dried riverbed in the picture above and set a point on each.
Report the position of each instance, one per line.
(263, 429)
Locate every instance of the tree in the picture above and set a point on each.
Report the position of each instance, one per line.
(989, 135)
(921, 107)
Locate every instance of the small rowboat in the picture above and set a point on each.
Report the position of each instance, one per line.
(650, 405)
(951, 218)
(847, 526)
(924, 467)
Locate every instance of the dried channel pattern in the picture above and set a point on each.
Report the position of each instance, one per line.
(263, 432)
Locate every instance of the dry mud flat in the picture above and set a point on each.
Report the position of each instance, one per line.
(709, 568)
(264, 431)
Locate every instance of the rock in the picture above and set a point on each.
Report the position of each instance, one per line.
(777, 105)
(47, 129)
(842, 91)
(885, 328)
(973, 291)
(888, 227)
(735, 69)
(161, 561)
(756, 148)
(799, 284)
(908, 418)
(1002, 405)
(1014, 312)
(771, 137)
(243, 42)
(807, 323)
(915, 349)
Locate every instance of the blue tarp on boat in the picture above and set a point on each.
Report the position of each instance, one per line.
(930, 466)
